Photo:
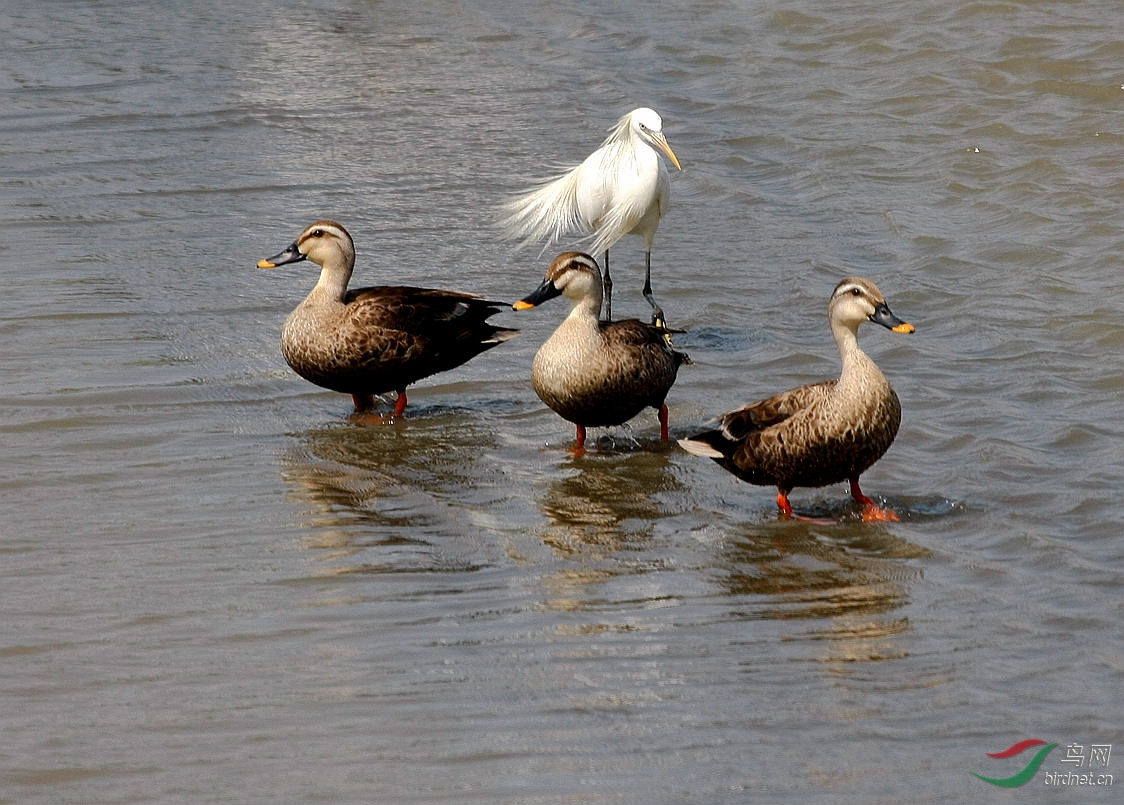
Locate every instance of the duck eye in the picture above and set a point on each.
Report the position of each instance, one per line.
(318, 233)
(856, 292)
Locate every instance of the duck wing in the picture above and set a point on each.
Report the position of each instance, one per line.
(740, 423)
(421, 331)
(631, 335)
(418, 310)
(741, 433)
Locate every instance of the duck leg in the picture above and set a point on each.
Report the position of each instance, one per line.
(607, 283)
(663, 422)
(872, 512)
(783, 504)
(400, 403)
(786, 510)
(579, 445)
(363, 402)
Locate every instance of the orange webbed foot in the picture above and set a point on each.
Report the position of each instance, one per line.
(876, 514)
(872, 512)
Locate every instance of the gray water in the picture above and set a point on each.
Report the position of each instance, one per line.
(217, 586)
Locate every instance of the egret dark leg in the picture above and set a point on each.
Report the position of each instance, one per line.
(657, 311)
(608, 283)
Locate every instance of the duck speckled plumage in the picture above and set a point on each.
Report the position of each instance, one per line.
(822, 433)
(598, 373)
(370, 341)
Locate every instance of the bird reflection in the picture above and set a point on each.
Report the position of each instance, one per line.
(397, 486)
(850, 580)
(607, 500)
(601, 518)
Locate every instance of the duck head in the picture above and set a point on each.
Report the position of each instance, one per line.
(324, 243)
(856, 300)
(573, 274)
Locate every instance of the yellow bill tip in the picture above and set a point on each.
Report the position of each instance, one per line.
(266, 264)
(522, 304)
(664, 146)
(904, 327)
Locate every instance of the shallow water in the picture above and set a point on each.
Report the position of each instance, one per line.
(218, 586)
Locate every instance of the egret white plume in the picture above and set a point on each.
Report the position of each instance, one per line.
(620, 189)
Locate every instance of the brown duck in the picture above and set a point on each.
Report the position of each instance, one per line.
(598, 373)
(370, 341)
(822, 433)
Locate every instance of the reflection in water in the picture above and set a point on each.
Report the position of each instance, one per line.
(406, 487)
(602, 512)
(607, 528)
(606, 499)
(850, 579)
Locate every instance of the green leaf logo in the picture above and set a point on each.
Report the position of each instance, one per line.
(1024, 776)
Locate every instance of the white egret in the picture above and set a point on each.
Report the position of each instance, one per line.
(620, 189)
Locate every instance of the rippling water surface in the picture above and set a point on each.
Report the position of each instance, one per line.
(217, 586)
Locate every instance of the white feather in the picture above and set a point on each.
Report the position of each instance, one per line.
(622, 188)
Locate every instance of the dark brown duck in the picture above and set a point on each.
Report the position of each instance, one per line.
(370, 341)
(598, 373)
(821, 433)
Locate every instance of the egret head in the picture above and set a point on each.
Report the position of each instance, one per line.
(646, 124)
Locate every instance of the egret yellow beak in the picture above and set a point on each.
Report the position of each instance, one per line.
(661, 143)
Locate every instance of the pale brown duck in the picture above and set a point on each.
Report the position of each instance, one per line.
(822, 433)
(598, 373)
(371, 341)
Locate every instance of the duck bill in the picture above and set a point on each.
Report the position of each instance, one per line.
(883, 316)
(290, 255)
(548, 290)
(661, 143)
